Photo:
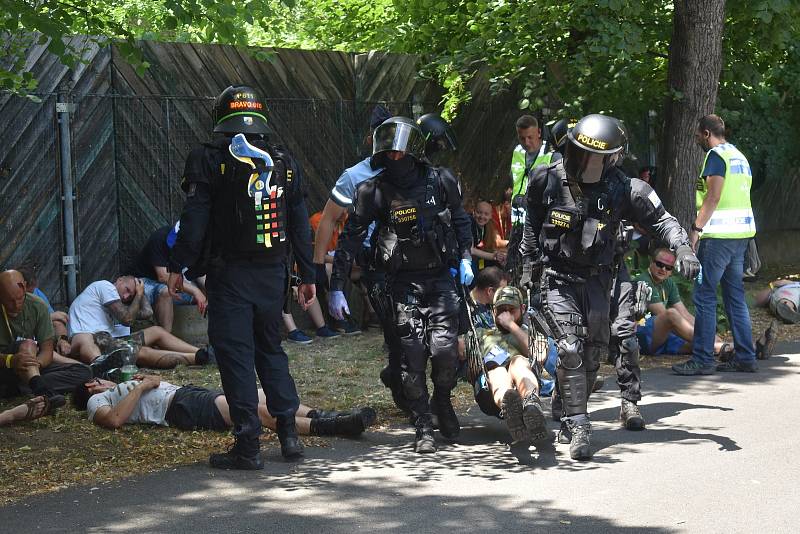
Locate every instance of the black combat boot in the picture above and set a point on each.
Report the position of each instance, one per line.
(446, 415)
(580, 447)
(241, 456)
(350, 425)
(630, 416)
(423, 441)
(291, 448)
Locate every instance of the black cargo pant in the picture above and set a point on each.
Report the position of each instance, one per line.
(374, 283)
(582, 311)
(244, 327)
(57, 377)
(426, 322)
(623, 346)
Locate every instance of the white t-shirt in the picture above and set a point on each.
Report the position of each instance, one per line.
(88, 314)
(151, 408)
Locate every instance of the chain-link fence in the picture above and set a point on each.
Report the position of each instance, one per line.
(30, 192)
(128, 153)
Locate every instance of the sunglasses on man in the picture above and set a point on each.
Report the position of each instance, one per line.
(664, 266)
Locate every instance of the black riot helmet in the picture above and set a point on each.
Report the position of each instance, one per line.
(399, 134)
(558, 133)
(439, 136)
(239, 109)
(593, 146)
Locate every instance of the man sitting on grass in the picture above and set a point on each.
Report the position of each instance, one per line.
(149, 400)
(669, 328)
(103, 313)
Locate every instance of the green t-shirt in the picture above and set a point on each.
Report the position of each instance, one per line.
(666, 292)
(33, 322)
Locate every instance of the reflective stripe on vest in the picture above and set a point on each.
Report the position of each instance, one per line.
(733, 216)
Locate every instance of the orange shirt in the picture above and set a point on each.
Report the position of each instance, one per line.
(314, 221)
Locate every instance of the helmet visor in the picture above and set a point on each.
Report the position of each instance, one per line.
(583, 166)
(400, 137)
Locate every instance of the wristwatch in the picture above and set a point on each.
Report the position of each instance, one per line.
(696, 229)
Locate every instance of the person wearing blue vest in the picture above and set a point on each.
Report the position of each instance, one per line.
(720, 233)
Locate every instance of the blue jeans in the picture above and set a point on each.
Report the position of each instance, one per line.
(722, 261)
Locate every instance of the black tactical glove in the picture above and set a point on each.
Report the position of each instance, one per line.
(531, 271)
(688, 264)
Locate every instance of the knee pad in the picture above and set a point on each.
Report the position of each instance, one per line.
(629, 349)
(444, 375)
(413, 385)
(570, 351)
(574, 390)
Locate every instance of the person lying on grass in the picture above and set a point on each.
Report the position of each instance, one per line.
(149, 400)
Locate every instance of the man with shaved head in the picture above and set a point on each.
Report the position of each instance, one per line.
(26, 347)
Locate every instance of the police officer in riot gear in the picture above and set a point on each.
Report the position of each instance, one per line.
(439, 135)
(574, 207)
(423, 232)
(243, 215)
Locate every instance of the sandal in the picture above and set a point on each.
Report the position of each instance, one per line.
(726, 352)
(37, 407)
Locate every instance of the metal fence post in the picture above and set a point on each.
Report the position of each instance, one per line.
(63, 109)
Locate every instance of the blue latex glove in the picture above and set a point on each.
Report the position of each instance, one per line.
(337, 305)
(465, 272)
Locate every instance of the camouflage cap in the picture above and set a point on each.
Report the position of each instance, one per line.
(507, 296)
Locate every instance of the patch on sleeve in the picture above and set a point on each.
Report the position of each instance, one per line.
(653, 197)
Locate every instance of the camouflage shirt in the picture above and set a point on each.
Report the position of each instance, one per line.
(499, 347)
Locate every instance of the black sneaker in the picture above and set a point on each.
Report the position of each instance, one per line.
(511, 411)
(449, 426)
(103, 364)
(766, 343)
(580, 447)
(534, 419)
(205, 356)
(735, 365)
(630, 416)
(424, 443)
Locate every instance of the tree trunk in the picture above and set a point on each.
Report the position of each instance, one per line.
(695, 60)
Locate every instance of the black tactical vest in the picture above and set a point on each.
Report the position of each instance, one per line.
(249, 215)
(417, 234)
(579, 230)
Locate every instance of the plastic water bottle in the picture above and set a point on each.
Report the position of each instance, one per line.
(128, 369)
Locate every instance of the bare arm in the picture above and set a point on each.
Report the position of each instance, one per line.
(657, 308)
(506, 320)
(161, 274)
(112, 417)
(330, 214)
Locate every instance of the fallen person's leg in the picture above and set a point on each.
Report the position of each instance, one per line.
(311, 422)
(28, 411)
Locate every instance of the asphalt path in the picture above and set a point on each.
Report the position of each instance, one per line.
(720, 454)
